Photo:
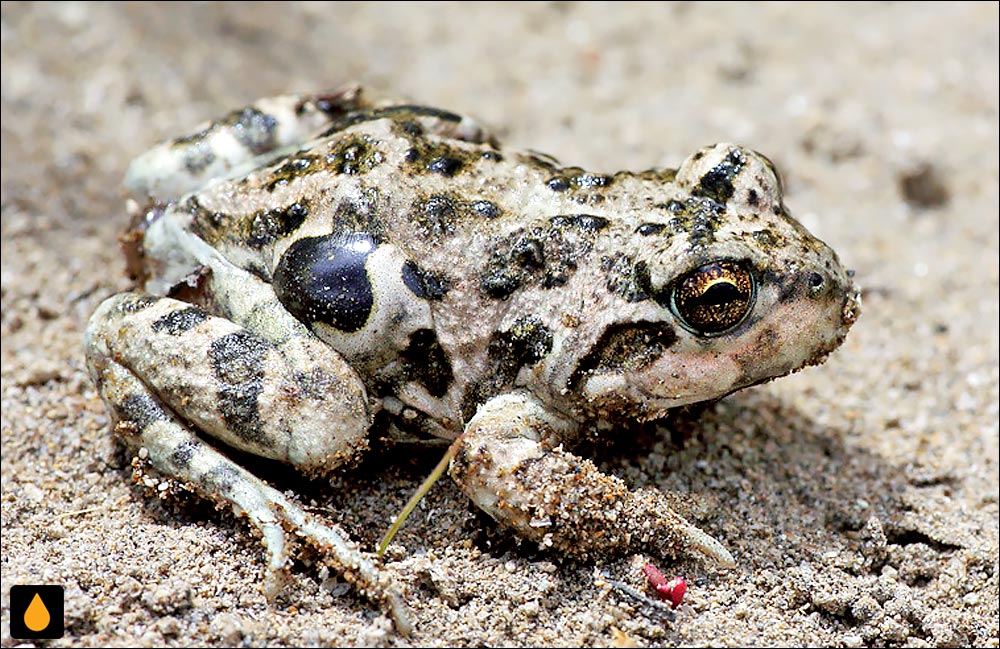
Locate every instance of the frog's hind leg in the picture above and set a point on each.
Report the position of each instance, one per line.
(236, 143)
(166, 368)
(271, 127)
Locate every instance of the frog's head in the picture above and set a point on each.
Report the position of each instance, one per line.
(737, 293)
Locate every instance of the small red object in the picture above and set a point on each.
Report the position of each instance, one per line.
(676, 588)
(672, 590)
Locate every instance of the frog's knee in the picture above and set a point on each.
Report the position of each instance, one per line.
(101, 324)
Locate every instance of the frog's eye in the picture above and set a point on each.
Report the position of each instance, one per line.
(713, 298)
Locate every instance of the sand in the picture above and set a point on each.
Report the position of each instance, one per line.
(860, 497)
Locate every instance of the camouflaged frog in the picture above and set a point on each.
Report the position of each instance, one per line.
(308, 263)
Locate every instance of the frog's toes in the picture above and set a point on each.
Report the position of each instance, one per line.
(276, 548)
(696, 540)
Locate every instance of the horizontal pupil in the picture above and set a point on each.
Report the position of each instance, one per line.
(713, 298)
(717, 294)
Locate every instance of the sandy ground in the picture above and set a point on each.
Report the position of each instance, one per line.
(860, 497)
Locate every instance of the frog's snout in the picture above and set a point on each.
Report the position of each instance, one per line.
(837, 286)
(852, 304)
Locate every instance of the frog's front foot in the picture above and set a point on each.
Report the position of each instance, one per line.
(510, 467)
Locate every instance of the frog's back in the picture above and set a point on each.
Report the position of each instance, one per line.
(437, 265)
(447, 271)
(383, 173)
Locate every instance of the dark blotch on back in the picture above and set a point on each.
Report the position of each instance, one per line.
(424, 284)
(437, 215)
(438, 157)
(291, 169)
(359, 213)
(647, 229)
(585, 222)
(586, 180)
(424, 361)
(445, 165)
(526, 343)
(270, 224)
(177, 322)
(557, 184)
(529, 253)
(486, 209)
(354, 155)
(323, 279)
(238, 362)
(625, 347)
(717, 184)
(576, 178)
(545, 254)
(500, 283)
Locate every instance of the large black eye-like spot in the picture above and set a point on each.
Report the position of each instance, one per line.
(714, 298)
(323, 279)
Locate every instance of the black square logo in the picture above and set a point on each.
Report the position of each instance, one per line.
(36, 612)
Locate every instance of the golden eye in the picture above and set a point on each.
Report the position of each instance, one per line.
(714, 298)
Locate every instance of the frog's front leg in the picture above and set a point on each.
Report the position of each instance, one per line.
(167, 368)
(512, 466)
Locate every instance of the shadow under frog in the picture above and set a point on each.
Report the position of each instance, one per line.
(781, 490)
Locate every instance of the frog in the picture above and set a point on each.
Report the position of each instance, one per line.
(311, 269)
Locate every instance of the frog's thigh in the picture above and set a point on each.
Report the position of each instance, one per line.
(296, 401)
(510, 465)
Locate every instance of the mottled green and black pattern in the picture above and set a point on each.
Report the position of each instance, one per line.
(626, 347)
